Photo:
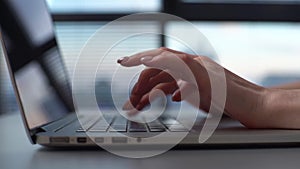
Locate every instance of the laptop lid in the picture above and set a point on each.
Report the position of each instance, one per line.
(34, 61)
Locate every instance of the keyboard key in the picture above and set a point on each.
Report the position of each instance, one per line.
(156, 126)
(120, 121)
(101, 125)
(157, 129)
(80, 130)
(107, 120)
(86, 123)
(169, 121)
(173, 125)
(119, 125)
(137, 127)
(98, 128)
(177, 128)
(122, 128)
(155, 123)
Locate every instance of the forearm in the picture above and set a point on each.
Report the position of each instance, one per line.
(259, 107)
(294, 85)
(253, 105)
(245, 100)
(283, 108)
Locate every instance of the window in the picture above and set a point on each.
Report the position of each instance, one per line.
(103, 6)
(266, 53)
(226, 23)
(243, 1)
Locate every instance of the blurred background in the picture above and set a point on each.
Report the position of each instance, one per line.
(256, 39)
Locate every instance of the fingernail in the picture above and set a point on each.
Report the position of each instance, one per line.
(127, 106)
(123, 59)
(146, 59)
(132, 113)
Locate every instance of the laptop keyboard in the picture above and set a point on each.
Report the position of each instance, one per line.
(121, 124)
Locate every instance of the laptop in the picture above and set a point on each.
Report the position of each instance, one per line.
(43, 91)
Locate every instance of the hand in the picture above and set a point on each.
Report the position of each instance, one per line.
(176, 73)
(185, 77)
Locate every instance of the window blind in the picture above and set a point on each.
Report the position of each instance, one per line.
(71, 37)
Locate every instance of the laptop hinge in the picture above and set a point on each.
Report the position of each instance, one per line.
(60, 123)
(33, 133)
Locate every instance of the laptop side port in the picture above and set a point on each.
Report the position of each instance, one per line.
(59, 140)
(81, 140)
(119, 140)
(99, 140)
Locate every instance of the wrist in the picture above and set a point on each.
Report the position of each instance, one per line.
(255, 116)
(260, 116)
(246, 102)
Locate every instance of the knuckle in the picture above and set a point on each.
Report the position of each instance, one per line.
(165, 53)
(184, 57)
(200, 58)
(163, 48)
(203, 58)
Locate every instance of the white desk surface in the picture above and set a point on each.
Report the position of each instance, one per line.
(17, 152)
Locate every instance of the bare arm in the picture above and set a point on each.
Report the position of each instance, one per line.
(253, 105)
(293, 85)
(282, 108)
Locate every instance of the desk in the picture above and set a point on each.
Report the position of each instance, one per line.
(17, 152)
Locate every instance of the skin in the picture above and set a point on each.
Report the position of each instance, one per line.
(253, 105)
(294, 85)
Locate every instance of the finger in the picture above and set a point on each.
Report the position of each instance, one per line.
(190, 93)
(145, 77)
(134, 60)
(184, 90)
(177, 52)
(171, 50)
(177, 65)
(127, 105)
(143, 86)
(132, 112)
(135, 94)
(166, 88)
(132, 102)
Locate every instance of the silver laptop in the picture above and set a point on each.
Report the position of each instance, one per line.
(43, 91)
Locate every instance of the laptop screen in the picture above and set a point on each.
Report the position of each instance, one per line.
(35, 62)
